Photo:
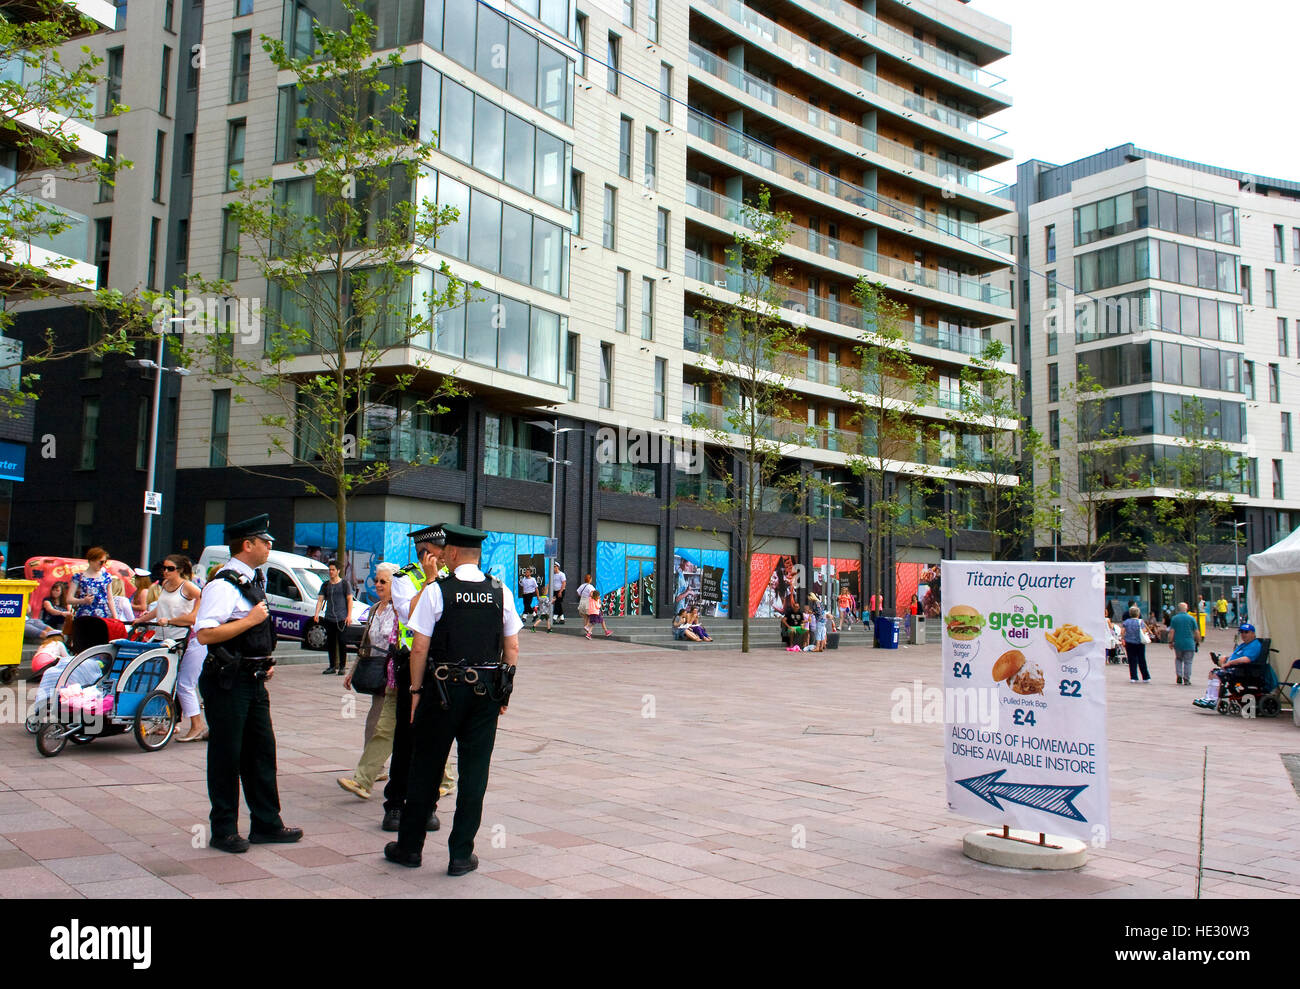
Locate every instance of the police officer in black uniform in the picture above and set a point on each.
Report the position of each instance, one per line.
(408, 583)
(235, 625)
(462, 670)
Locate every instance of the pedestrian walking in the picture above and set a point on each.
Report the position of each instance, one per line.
(528, 592)
(1184, 640)
(235, 625)
(558, 583)
(336, 598)
(1221, 612)
(1135, 645)
(585, 590)
(407, 587)
(463, 657)
(90, 588)
(594, 614)
(380, 639)
(177, 610)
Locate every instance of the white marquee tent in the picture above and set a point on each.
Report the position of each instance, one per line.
(1273, 599)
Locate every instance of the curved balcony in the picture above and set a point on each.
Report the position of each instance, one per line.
(857, 200)
(967, 341)
(797, 50)
(913, 49)
(856, 256)
(943, 171)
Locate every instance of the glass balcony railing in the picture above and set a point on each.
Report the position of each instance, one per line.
(39, 223)
(833, 310)
(697, 487)
(719, 418)
(971, 343)
(518, 463)
(856, 256)
(913, 47)
(411, 445)
(15, 69)
(626, 479)
(768, 94)
(862, 201)
(796, 47)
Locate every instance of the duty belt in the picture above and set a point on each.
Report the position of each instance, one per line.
(492, 680)
(256, 665)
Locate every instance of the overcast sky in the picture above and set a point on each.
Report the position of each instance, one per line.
(1217, 82)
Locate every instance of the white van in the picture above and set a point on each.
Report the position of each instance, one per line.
(292, 585)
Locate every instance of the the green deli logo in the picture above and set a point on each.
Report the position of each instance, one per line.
(1019, 620)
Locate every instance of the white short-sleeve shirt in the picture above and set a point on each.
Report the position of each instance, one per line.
(429, 608)
(221, 601)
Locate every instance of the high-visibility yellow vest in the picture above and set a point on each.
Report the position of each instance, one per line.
(405, 635)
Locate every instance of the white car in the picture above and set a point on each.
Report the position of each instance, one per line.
(292, 585)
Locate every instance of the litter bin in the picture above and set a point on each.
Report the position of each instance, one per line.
(887, 633)
(918, 630)
(14, 595)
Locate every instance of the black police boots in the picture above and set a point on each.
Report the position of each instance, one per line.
(393, 852)
(393, 821)
(460, 867)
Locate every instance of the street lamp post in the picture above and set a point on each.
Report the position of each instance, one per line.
(1056, 534)
(554, 460)
(1236, 603)
(158, 369)
(826, 569)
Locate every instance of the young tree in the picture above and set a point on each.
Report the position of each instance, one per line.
(1198, 479)
(341, 250)
(995, 447)
(47, 102)
(747, 346)
(888, 390)
(1097, 463)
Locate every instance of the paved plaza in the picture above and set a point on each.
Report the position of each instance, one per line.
(628, 771)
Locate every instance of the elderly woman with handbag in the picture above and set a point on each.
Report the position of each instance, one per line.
(373, 674)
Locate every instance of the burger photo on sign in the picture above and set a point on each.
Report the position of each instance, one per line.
(964, 622)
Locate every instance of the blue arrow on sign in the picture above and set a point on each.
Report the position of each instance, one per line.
(1053, 799)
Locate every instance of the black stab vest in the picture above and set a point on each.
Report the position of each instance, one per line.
(260, 639)
(470, 630)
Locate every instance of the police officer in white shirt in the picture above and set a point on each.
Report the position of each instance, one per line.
(235, 626)
(462, 671)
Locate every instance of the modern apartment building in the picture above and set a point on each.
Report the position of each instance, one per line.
(1164, 280)
(49, 252)
(599, 152)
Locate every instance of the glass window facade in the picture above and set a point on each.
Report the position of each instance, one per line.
(1160, 465)
(471, 129)
(625, 147)
(1157, 208)
(473, 34)
(240, 60)
(1205, 368)
(621, 279)
(1170, 312)
(610, 228)
(1184, 264)
(1165, 414)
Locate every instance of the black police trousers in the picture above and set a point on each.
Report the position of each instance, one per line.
(241, 747)
(472, 723)
(399, 768)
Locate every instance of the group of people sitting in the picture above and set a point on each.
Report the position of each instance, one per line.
(806, 628)
(687, 627)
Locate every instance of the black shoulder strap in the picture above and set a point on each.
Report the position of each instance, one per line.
(247, 588)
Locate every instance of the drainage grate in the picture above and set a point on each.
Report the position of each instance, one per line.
(1291, 762)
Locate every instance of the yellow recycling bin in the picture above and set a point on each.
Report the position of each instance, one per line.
(1200, 620)
(14, 595)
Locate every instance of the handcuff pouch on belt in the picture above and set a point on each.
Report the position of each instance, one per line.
(496, 681)
(227, 665)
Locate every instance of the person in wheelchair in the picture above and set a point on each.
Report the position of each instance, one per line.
(1247, 668)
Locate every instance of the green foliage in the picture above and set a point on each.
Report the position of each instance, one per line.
(1198, 481)
(747, 347)
(48, 86)
(341, 254)
(994, 447)
(887, 392)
